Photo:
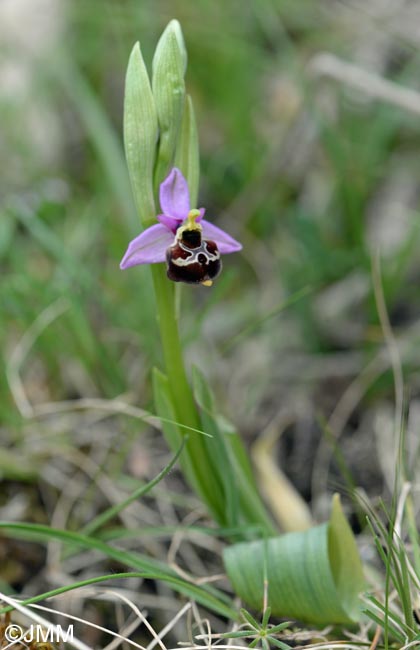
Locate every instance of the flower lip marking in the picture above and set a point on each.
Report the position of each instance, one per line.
(191, 258)
(200, 241)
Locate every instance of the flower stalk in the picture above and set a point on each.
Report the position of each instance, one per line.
(161, 144)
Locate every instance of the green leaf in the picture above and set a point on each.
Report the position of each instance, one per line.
(314, 576)
(169, 64)
(345, 561)
(140, 135)
(266, 617)
(280, 627)
(187, 155)
(242, 502)
(278, 644)
(193, 472)
(217, 449)
(385, 619)
(150, 568)
(165, 410)
(235, 635)
(250, 619)
(175, 28)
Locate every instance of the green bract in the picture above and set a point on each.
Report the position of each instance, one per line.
(169, 65)
(140, 135)
(187, 155)
(314, 576)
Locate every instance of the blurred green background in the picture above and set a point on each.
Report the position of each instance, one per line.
(311, 174)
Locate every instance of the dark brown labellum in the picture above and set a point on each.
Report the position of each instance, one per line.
(192, 259)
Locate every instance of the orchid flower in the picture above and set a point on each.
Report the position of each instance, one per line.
(190, 245)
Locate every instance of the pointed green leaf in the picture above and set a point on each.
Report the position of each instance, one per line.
(314, 576)
(208, 596)
(187, 155)
(235, 635)
(280, 627)
(217, 449)
(174, 432)
(278, 644)
(169, 63)
(196, 467)
(266, 617)
(140, 135)
(175, 29)
(250, 619)
(164, 409)
(345, 561)
(241, 499)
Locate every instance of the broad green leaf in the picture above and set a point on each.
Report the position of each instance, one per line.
(140, 135)
(169, 63)
(345, 561)
(187, 155)
(314, 576)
